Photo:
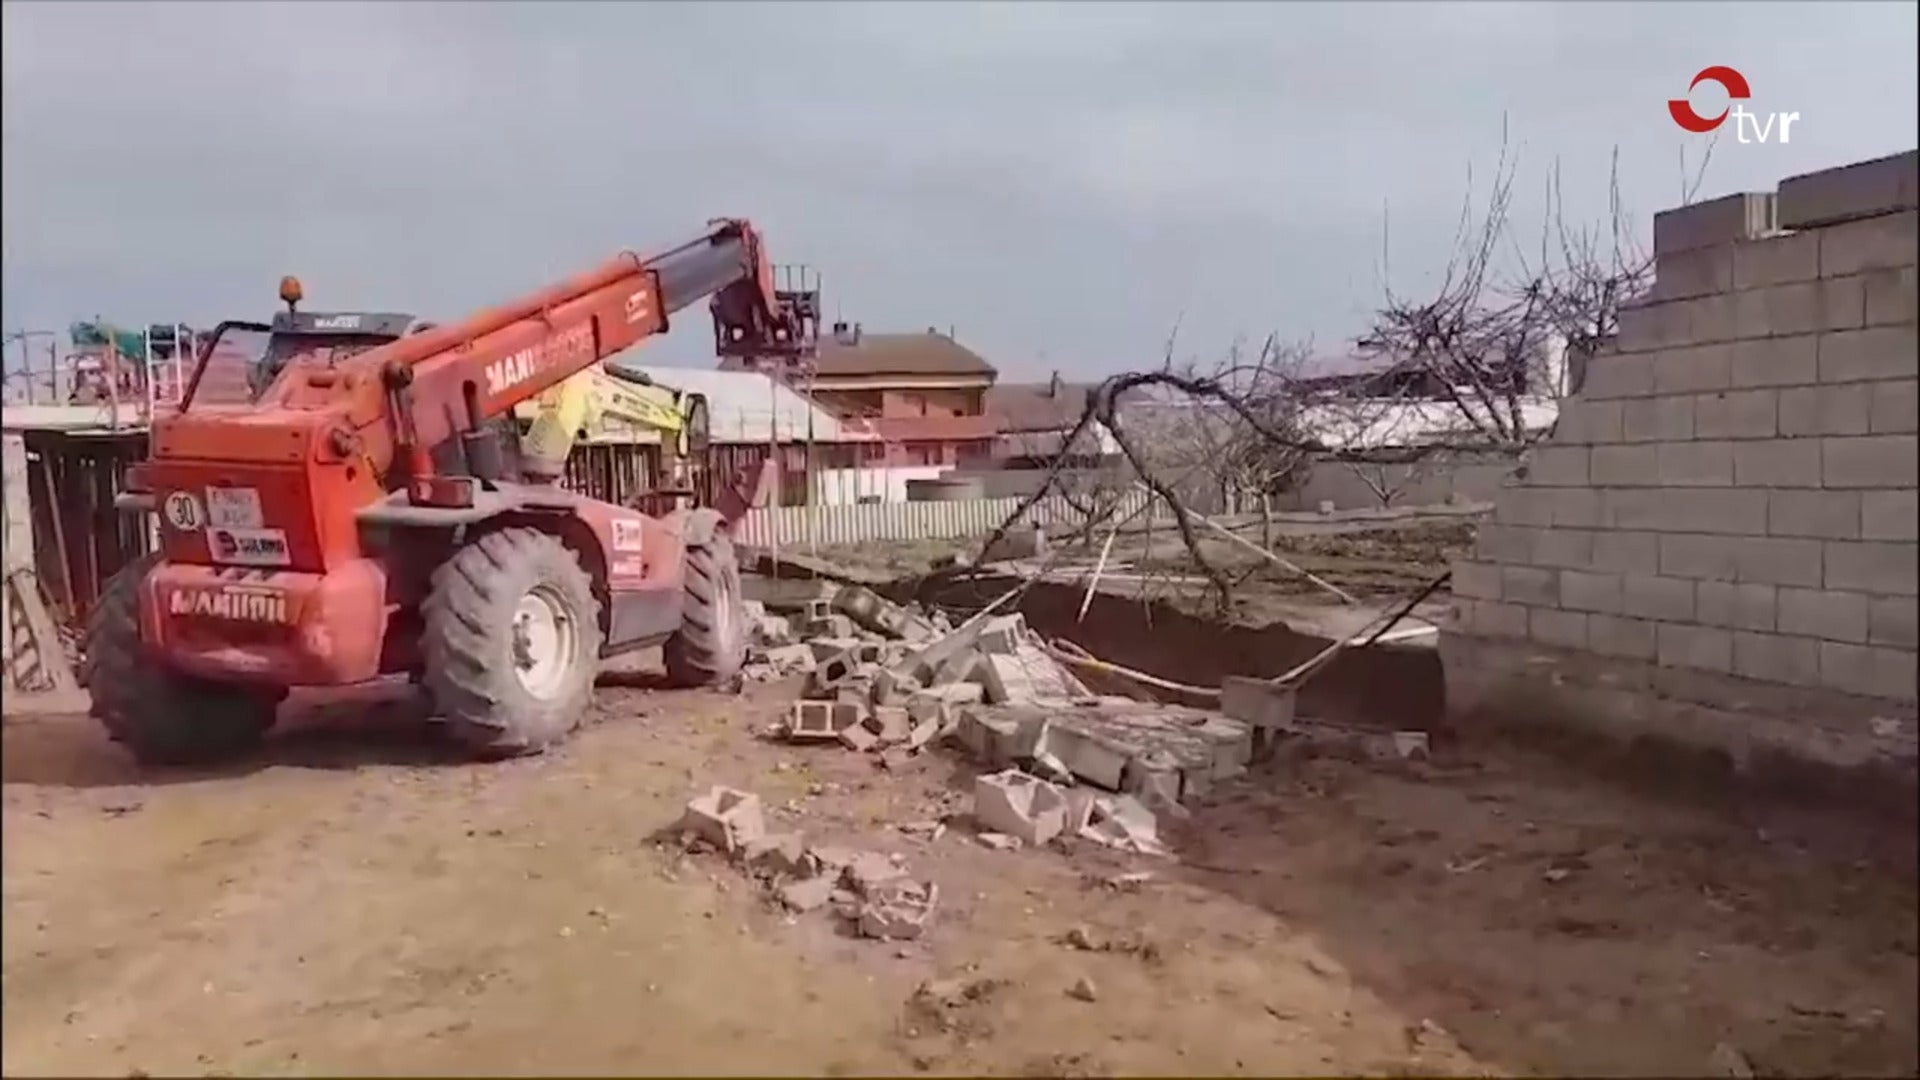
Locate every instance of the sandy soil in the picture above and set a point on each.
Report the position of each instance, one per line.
(357, 903)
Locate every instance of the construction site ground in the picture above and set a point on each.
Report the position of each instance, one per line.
(354, 901)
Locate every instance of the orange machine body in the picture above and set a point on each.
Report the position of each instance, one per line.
(297, 537)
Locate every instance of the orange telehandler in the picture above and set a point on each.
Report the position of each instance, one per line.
(365, 515)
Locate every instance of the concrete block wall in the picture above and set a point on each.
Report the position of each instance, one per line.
(1444, 478)
(1718, 540)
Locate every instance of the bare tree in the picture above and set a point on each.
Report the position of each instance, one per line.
(1388, 481)
(1237, 428)
(1507, 332)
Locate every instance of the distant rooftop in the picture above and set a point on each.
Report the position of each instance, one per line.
(926, 353)
(743, 408)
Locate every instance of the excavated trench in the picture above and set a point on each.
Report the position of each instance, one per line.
(1382, 686)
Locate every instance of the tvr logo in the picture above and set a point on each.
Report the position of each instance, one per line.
(1768, 127)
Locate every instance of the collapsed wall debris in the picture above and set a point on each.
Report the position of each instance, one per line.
(885, 679)
(1058, 761)
(869, 890)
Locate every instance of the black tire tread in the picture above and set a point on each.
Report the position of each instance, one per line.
(161, 717)
(467, 615)
(696, 655)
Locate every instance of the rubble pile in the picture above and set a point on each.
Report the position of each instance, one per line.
(887, 679)
(871, 891)
(890, 680)
(1012, 808)
(1161, 754)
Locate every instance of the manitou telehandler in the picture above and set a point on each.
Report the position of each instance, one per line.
(366, 515)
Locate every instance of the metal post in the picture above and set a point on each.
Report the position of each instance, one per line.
(813, 480)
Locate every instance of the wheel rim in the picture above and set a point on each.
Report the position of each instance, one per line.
(545, 643)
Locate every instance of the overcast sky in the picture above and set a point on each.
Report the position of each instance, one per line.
(1058, 183)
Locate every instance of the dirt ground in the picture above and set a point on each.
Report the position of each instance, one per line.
(354, 902)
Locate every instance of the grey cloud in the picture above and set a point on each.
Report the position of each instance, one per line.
(1060, 182)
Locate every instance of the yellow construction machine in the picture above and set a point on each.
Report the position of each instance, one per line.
(603, 399)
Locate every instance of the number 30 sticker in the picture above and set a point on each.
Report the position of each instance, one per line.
(183, 511)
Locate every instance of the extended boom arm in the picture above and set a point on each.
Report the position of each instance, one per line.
(392, 404)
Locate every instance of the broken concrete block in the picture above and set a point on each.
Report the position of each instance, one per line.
(877, 728)
(830, 861)
(826, 648)
(893, 685)
(813, 721)
(1125, 823)
(1051, 769)
(1002, 634)
(1019, 805)
(1232, 743)
(898, 911)
(926, 709)
(725, 817)
(1098, 761)
(962, 667)
(1079, 810)
(1196, 778)
(819, 607)
(1000, 737)
(833, 671)
(955, 694)
(984, 733)
(924, 732)
(771, 630)
(1152, 777)
(940, 705)
(832, 626)
(1028, 676)
(989, 736)
(789, 659)
(857, 663)
(806, 894)
(781, 855)
(869, 870)
(891, 723)
(925, 663)
(854, 691)
(859, 738)
(1257, 702)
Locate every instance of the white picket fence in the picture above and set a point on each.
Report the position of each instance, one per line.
(820, 526)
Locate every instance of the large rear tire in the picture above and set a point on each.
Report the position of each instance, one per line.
(162, 717)
(511, 642)
(711, 645)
